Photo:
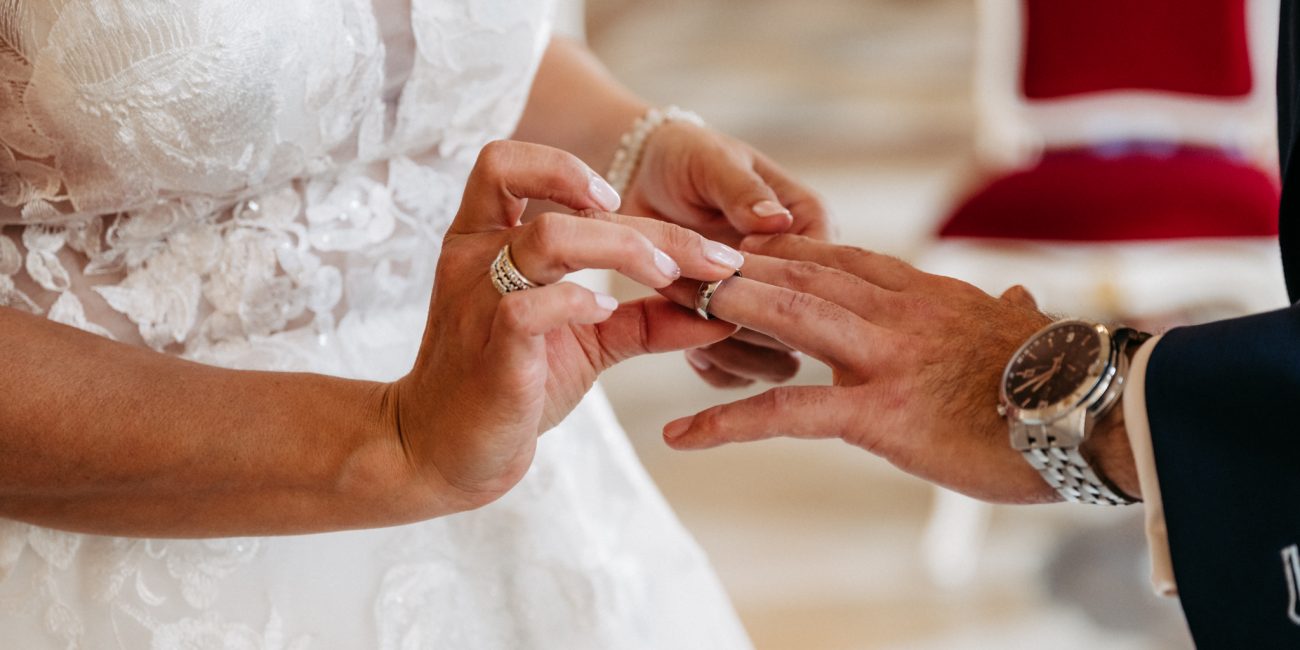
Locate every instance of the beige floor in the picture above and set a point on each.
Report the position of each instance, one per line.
(817, 542)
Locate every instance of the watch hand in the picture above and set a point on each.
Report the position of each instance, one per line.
(1039, 380)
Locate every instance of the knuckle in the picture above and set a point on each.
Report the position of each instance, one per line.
(793, 304)
(576, 299)
(678, 238)
(596, 215)
(852, 255)
(515, 312)
(494, 159)
(708, 421)
(775, 401)
(802, 274)
(547, 234)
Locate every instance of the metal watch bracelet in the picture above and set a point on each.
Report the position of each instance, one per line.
(1072, 477)
(1065, 468)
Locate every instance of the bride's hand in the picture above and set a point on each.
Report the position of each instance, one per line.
(724, 189)
(720, 187)
(496, 371)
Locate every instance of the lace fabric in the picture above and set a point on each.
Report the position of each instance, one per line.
(265, 185)
(222, 170)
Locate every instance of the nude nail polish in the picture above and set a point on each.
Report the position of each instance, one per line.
(603, 193)
(606, 301)
(667, 265)
(768, 208)
(722, 254)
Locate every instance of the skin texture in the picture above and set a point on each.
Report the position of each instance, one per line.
(114, 439)
(690, 176)
(496, 372)
(917, 359)
(102, 437)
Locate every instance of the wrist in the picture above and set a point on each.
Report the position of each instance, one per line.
(382, 475)
(1108, 451)
(449, 463)
(636, 141)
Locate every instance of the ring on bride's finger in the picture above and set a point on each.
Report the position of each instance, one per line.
(705, 294)
(506, 276)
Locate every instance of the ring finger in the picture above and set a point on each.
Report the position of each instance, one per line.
(822, 329)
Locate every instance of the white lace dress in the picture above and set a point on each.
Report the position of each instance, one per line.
(264, 185)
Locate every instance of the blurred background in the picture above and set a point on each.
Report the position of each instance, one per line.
(875, 104)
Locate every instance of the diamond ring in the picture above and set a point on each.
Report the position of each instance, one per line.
(506, 276)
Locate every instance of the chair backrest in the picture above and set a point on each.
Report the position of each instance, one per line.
(1070, 73)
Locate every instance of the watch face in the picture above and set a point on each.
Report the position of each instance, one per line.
(1054, 366)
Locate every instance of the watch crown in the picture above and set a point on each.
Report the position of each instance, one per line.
(1002, 410)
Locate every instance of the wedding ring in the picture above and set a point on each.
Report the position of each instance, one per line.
(705, 294)
(506, 276)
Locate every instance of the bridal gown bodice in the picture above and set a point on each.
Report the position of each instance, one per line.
(265, 185)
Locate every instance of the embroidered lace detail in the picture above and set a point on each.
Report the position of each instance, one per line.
(224, 170)
(209, 177)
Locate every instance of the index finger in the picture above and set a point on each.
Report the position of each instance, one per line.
(810, 216)
(877, 268)
(507, 174)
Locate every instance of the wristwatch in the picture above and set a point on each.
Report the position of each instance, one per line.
(1055, 388)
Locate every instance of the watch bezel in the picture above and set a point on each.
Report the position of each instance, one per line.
(1100, 373)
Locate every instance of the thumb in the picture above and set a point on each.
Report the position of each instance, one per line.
(748, 202)
(654, 324)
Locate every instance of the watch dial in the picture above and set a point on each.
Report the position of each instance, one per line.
(1053, 366)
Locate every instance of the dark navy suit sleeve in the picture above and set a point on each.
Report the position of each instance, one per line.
(1223, 402)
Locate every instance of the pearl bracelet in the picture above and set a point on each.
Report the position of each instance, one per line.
(632, 144)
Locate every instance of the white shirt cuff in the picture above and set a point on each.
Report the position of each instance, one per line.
(1139, 438)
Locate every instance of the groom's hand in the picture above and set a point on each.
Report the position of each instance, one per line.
(916, 357)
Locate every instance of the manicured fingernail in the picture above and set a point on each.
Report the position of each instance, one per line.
(698, 360)
(603, 193)
(606, 301)
(769, 208)
(678, 427)
(723, 254)
(667, 265)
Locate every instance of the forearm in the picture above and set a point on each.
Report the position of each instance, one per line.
(577, 106)
(102, 437)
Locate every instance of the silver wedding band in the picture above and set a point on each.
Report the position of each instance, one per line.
(506, 276)
(705, 294)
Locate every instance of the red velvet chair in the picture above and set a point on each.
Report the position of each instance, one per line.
(1126, 171)
(1126, 158)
